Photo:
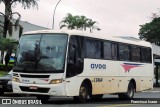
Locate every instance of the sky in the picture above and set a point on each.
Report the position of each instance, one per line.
(114, 17)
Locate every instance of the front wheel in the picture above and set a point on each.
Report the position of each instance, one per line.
(83, 94)
(130, 92)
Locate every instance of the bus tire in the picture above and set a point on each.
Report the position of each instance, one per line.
(83, 94)
(96, 97)
(43, 98)
(130, 92)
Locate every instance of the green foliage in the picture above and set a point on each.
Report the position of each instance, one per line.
(68, 22)
(7, 23)
(2, 69)
(2, 66)
(25, 3)
(78, 22)
(6, 43)
(151, 31)
(1, 32)
(2, 73)
(9, 67)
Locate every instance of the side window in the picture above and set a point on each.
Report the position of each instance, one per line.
(80, 44)
(114, 51)
(107, 50)
(93, 48)
(136, 56)
(90, 48)
(124, 52)
(146, 55)
(97, 51)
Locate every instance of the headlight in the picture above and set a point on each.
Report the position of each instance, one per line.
(16, 79)
(56, 81)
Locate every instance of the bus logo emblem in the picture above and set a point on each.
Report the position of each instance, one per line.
(128, 66)
(34, 82)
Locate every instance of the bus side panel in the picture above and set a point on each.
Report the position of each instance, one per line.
(144, 83)
(116, 75)
(142, 73)
(123, 84)
(72, 85)
(103, 75)
(109, 76)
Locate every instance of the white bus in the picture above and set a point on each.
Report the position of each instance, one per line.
(73, 63)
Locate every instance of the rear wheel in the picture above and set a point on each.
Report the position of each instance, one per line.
(43, 98)
(83, 94)
(130, 92)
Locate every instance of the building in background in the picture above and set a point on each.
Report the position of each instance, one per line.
(15, 35)
(26, 27)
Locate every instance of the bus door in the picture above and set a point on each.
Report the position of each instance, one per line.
(74, 62)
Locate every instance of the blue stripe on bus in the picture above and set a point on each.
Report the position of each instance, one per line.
(132, 64)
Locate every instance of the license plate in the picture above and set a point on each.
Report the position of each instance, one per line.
(1, 86)
(33, 87)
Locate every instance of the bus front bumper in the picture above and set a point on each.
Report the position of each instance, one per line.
(40, 89)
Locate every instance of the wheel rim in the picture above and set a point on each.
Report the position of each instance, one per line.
(83, 92)
(130, 92)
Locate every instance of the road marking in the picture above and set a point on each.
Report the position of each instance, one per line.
(119, 105)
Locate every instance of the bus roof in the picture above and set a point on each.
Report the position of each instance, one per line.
(93, 35)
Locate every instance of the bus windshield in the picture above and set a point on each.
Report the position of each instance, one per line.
(41, 52)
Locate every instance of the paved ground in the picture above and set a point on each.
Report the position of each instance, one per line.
(155, 89)
(149, 96)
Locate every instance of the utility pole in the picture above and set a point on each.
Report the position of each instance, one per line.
(54, 13)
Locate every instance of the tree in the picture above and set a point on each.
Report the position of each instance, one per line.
(1, 31)
(69, 22)
(151, 31)
(8, 14)
(78, 22)
(90, 25)
(82, 22)
(8, 24)
(7, 45)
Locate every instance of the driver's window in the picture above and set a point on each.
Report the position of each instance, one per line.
(75, 61)
(72, 53)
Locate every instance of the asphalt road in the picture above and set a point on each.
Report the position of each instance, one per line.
(142, 99)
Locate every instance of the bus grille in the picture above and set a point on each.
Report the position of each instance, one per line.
(34, 76)
(39, 89)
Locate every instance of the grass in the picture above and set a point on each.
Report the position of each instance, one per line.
(2, 73)
(8, 64)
